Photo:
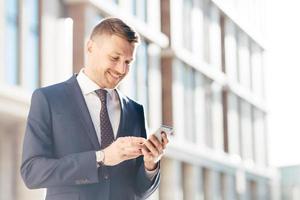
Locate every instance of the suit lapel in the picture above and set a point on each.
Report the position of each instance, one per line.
(123, 113)
(77, 99)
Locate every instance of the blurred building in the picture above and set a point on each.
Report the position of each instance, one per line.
(290, 182)
(199, 68)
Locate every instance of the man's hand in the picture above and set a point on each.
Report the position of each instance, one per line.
(152, 150)
(124, 148)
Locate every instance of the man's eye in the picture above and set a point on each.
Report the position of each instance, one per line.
(114, 58)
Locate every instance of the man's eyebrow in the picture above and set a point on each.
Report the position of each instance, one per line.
(115, 52)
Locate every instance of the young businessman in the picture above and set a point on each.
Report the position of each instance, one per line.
(86, 140)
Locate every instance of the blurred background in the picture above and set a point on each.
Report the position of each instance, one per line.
(224, 73)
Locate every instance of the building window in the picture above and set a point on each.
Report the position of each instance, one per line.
(251, 190)
(128, 85)
(257, 70)
(135, 84)
(31, 49)
(207, 183)
(213, 120)
(116, 1)
(141, 75)
(215, 50)
(12, 42)
(178, 99)
(172, 179)
(217, 117)
(244, 60)
(230, 51)
(266, 190)
(200, 93)
(259, 137)
(212, 35)
(229, 185)
(206, 35)
(190, 182)
(246, 131)
(233, 124)
(217, 185)
(92, 23)
(189, 114)
(9, 153)
(187, 24)
(197, 28)
(197, 107)
(139, 9)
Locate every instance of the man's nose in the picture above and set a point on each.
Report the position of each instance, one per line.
(121, 67)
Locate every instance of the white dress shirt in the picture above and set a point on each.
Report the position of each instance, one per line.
(93, 103)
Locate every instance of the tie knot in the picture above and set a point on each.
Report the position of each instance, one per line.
(102, 95)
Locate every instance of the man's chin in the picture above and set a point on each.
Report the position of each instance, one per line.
(112, 85)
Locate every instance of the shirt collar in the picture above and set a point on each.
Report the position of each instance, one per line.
(89, 86)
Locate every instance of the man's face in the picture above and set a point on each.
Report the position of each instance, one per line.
(109, 59)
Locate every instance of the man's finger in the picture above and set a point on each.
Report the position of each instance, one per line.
(131, 155)
(137, 139)
(132, 142)
(132, 149)
(138, 142)
(165, 140)
(147, 154)
(151, 147)
(156, 143)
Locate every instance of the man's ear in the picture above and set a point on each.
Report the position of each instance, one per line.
(89, 46)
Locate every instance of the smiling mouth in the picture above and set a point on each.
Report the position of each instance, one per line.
(115, 76)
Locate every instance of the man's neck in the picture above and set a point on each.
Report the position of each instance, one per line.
(89, 74)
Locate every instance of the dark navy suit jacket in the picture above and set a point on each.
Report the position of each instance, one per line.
(60, 144)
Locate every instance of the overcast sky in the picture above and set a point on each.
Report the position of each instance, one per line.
(283, 81)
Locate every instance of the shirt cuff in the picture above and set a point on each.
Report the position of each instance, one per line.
(97, 159)
(151, 174)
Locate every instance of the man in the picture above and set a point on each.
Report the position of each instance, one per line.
(86, 140)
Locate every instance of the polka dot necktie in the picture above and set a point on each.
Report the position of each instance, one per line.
(107, 134)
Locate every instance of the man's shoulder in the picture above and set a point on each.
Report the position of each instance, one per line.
(54, 89)
(128, 100)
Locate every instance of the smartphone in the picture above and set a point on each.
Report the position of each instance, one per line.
(166, 129)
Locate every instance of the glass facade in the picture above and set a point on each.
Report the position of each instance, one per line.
(213, 115)
(187, 32)
(200, 94)
(141, 9)
(23, 71)
(244, 60)
(138, 8)
(233, 125)
(31, 49)
(230, 46)
(141, 75)
(197, 107)
(12, 42)
(257, 70)
(136, 83)
(178, 99)
(91, 24)
(189, 114)
(215, 50)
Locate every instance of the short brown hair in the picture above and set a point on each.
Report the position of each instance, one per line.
(115, 26)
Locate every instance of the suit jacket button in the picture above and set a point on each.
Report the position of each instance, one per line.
(106, 177)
